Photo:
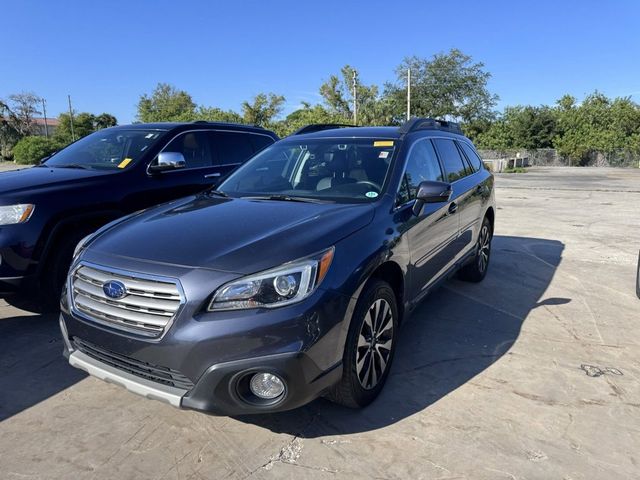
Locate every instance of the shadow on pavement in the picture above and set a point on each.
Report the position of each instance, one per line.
(455, 334)
(32, 367)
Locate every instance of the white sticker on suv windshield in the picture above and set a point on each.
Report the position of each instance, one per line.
(371, 194)
(383, 155)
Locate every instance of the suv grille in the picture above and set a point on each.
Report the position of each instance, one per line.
(147, 307)
(163, 375)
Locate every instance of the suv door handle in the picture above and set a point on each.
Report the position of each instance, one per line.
(453, 208)
(212, 175)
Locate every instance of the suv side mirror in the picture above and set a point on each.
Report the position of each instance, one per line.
(431, 192)
(168, 161)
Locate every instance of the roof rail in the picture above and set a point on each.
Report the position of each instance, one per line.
(316, 127)
(420, 123)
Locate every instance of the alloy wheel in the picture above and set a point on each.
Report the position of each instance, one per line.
(374, 344)
(484, 248)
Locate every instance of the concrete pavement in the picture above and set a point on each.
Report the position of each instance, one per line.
(533, 373)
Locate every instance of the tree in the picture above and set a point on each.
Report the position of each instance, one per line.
(525, 127)
(448, 85)
(305, 116)
(263, 109)
(20, 111)
(16, 119)
(214, 114)
(598, 126)
(84, 123)
(105, 120)
(337, 93)
(166, 104)
(30, 150)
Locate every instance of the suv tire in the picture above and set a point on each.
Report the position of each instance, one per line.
(369, 348)
(476, 270)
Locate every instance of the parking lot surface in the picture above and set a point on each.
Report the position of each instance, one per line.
(532, 374)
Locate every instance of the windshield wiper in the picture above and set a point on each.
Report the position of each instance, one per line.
(286, 198)
(72, 165)
(217, 193)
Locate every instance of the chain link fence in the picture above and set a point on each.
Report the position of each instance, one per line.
(500, 160)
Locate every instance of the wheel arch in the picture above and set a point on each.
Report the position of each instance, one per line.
(390, 272)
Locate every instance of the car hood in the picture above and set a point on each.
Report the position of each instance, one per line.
(39, 178)
(232, 235)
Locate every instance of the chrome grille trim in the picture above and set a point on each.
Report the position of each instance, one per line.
(149, 307)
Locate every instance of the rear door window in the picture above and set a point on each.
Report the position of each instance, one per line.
(471, 154)
(451, 159)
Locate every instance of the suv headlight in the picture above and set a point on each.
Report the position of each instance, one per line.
(284, 285)
(12, 214)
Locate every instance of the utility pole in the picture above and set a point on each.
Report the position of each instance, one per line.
(355, 99)
(73, 135)
(408, 93)
(44, 114)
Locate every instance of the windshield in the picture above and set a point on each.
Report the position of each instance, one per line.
(326, 169)
(106, 149)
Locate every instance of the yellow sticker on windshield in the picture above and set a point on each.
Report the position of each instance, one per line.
(383, 143)
(125, 162)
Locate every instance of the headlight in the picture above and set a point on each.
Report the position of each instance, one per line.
(284, 285)
(12, 214)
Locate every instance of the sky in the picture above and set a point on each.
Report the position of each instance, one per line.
(105, 54)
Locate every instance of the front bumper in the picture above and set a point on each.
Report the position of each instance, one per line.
(300, 343)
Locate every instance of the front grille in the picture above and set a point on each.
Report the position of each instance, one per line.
(146, 309)
(155, 373)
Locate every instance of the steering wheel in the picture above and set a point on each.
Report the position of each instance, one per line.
(371, 184)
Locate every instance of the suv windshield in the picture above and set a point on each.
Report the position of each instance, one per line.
(325, 169)
(106, 149)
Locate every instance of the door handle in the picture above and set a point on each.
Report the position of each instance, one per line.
(453, 208)
(212, 175)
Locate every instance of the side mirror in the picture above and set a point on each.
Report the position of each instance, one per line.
(168, 161)
(431, 192)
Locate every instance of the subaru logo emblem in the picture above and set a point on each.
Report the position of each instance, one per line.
(114, 289)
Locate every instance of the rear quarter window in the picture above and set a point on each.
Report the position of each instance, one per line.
(472, 155)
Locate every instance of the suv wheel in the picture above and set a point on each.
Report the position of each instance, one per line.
(476, 270)
(369, 348)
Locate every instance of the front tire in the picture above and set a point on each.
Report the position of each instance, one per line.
(370, 347)
(476, 270)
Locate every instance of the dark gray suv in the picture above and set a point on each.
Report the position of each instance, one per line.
(290, 280)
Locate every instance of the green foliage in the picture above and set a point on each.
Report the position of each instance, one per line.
(305, 116)
(263, 109)
(30, 150)
(372, 108)
(166, 104)
(447, 85)
(83, 124)
(525, 127)
(598, 124)
(213, 114)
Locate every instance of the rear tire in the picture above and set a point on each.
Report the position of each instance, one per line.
(476, 270)
(369, 348)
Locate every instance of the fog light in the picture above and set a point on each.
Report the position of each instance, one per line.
(266, 385)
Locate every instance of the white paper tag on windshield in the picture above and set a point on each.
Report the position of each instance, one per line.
(383, 155)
